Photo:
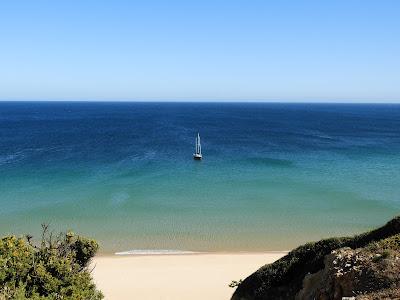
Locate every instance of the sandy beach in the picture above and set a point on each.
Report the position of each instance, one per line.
(175, 277)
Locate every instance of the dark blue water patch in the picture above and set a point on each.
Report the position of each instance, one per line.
(108, 132)
(272, 162)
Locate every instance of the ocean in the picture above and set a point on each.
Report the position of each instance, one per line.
(273, 175)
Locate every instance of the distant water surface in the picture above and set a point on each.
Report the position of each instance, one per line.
(273, 175)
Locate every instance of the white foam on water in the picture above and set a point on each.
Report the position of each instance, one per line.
(154, 252)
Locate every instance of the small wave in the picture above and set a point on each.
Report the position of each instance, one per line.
(154, 252)
(119, 198)
(11, 158)
(317, 134)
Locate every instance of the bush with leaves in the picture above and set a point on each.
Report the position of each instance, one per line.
(56, 268)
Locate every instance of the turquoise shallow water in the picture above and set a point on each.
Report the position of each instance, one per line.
(273, 175)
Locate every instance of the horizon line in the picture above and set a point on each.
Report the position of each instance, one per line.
(204, 101)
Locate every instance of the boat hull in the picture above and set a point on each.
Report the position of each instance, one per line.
(197, 157)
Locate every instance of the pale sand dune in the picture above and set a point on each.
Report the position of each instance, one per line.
(175, 277)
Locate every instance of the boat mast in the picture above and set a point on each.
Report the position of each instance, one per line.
(198, 144)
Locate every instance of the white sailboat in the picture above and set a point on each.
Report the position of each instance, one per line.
(197, 155)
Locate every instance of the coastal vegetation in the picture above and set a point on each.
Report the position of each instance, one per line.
(313, 270)
(56, 267)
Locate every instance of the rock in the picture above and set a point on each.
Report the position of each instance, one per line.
(367, 279)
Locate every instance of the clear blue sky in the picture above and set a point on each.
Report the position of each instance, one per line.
(200, 50)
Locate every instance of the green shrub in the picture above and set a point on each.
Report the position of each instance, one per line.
(57, 268)
(391, 243)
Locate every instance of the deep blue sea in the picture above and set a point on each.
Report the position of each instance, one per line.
(273, 175)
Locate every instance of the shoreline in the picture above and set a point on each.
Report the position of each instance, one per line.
(186, 253)
(177, 276)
